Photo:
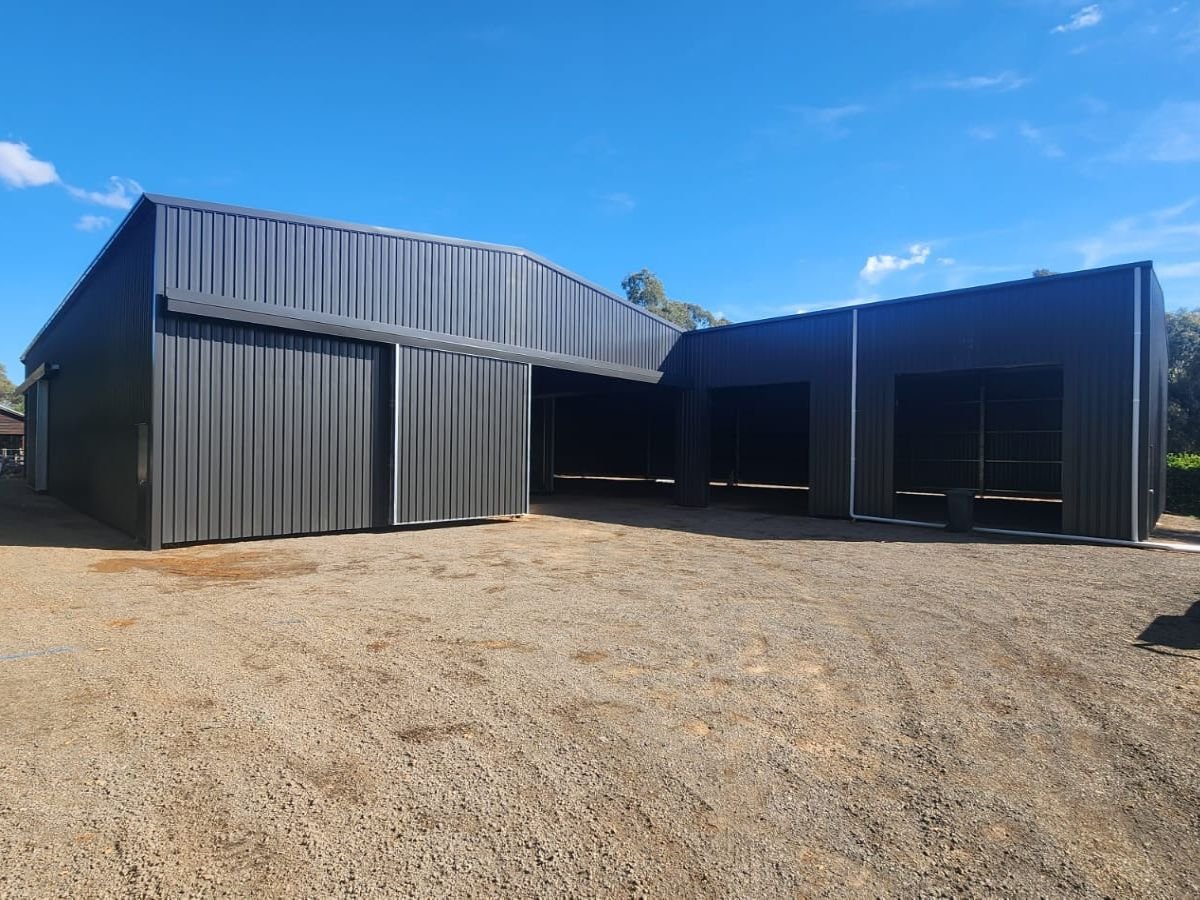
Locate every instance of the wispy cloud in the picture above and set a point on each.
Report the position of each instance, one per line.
(1180, 270)
(880, 266)
(982, 133)
(1000, 82)
(1169, 134)
(597, 144)
(618, 203)
(1172, 231)
(1039, 139)
(798, 126)
(19, 168)
(1188, 37)
(93, 223)
(828, 120)
(121, 193)
(1088, 17)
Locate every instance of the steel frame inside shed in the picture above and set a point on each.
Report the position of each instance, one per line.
(224, 373)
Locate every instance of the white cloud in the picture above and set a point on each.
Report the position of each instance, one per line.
(1039, 139)
(1180, 270)
(1001, 81)
(829, 120)
(981, 133)
(879, 267)
(93, 223)
(946, 261)
(618, 203)
(121, 193)
(1164, 232)
(1088, 17)
(1171, 133)
(20, 169)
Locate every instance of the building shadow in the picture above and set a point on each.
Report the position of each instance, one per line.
(1173, 633)
(29, 519)
(741, 513)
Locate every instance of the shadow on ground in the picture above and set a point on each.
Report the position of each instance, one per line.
(28, 519)
(740, 513)
(1173, 632)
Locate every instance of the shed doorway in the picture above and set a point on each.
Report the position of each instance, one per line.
(760, 447)
(997, 432)
(593, 435)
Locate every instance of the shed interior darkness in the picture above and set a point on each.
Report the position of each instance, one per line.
(595, 434)
(995, 431)
(760, 446)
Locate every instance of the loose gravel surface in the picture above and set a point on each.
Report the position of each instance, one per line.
(607, 698)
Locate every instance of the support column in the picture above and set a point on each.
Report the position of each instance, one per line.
(692, 455)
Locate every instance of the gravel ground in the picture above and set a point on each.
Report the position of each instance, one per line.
(607, 698)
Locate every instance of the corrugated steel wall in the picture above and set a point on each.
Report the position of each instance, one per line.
(265, 432)
(491, 294)
(812, 349)
(258, 431)
(1082, 323)
(101, 339)
(462, 437)
(693, 425)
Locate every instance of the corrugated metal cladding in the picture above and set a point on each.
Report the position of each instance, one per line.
(813, 349)
(241, 430)
(487, 293)
(462, 437)
(95, 403)
(693, 426)
(1082, 323)
(264, 432)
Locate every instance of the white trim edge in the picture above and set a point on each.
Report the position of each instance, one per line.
(853, 404)
(1136, 414)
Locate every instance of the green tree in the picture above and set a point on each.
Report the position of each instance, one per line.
(1043, 273)
(644, 289)
(8, 392)
(1183, 381)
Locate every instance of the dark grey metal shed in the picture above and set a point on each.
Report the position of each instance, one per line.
(222, 373)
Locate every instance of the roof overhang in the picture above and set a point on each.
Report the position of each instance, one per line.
(45, 370)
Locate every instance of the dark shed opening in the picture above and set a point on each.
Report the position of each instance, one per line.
(760, 446)
(998, 432)
(596, 435)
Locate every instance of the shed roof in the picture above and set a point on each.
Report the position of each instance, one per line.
(168, 200)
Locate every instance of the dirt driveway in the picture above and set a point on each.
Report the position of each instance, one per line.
(659, 702)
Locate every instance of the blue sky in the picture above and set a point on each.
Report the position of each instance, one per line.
(762, 158)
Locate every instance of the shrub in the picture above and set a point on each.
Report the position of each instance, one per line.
(1183, 483)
